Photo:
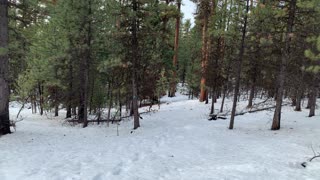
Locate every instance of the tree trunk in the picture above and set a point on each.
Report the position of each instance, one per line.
(56, 102)
(173, 84)
(109, 109)
(285, 56)
(41, 102)
(56, 110)
(299, 94)
(298, 101)
(223, 98)
(91, 95)
(294, 101)
(4, 66)
(135, 51)
(84, 70)
(309, 100)
(34, 104)
(237, 86)
(204, 61)
(213, 101)
(70, 95)
(313, 97)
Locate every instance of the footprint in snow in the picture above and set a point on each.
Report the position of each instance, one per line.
(99, 176)
(296, 165)
(118, 169)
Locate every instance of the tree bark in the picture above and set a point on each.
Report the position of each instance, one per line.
(4, 66)
(237, 86)
(204, 61)
(84, 70)
(70, 90)
(223, 98)
(299, 95)
(173, 84)
(298, 101)
(135, 51)
(41, 101)
(313, 97)
(285, 56)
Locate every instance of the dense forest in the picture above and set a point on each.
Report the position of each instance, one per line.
(94, 57)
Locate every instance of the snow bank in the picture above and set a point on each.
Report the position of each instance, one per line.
(177, 142)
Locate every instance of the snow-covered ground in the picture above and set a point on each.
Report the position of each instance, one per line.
(175, 143)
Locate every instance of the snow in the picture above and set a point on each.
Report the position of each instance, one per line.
(175, 142)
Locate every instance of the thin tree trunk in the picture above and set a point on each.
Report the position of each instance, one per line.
(223, 99)
(213, 100)
(237, 86)
(40, 89)
(313, 100)
(84, 71)
(285, 55)
(91, 94)
(56, 103)
(34, 104)
(56, 110)
(110, 106)
(173, 84)
(313, 97)
(299, 94)
(298, 103)
(135, 51)
(4, 66)
(309, 100)
(70, 95)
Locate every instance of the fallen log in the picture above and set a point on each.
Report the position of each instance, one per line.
(223, 116)
(257, 110)
(107, 120)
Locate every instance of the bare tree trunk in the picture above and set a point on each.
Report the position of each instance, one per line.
(309, 100)
(298, 102)
(299, 94)
(109, 109)
(56, 102)
(34, 104)
(91, 94)
(56, 110)
(237, 86)
(294, 100)
(135, 51)
(70, 102)
(251, 96)
(173, 84)
(213, 100)
(84, 69)
(4, 66)
(204, 61)
(223, 98)
(285, 55)
(41, 102)
(313, 97)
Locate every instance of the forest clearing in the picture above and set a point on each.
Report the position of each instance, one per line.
(159, 89)
(175, 142)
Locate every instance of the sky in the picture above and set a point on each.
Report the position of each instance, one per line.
(188, 8)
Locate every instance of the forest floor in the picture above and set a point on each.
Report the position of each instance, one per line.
(176, 142)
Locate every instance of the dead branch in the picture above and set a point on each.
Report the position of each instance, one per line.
(113, 120)
(223, 116)
(314, 157)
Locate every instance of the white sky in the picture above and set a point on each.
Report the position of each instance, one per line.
(188, 8)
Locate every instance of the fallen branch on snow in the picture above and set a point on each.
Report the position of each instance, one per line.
(223, 116)
(315, 155)
(113, 120)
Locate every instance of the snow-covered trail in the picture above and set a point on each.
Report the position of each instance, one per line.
(175, 143)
